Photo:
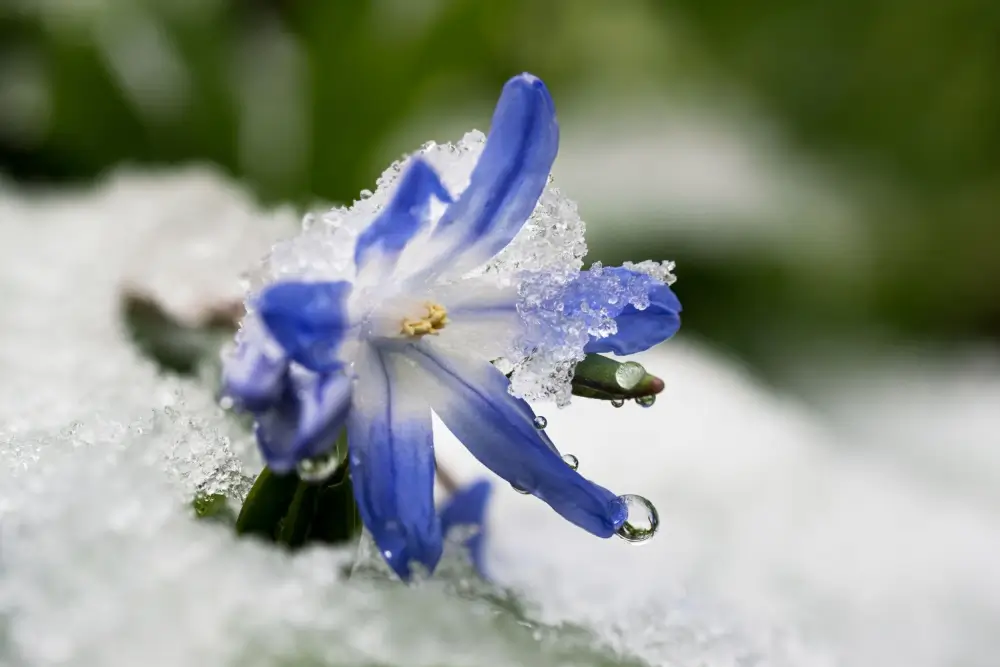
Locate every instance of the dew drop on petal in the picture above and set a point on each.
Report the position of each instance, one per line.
(617, 402)
(646, 401)
(540, 422)
(571, 461)
(318, 468)
(226, 402)
(641, 519)
(629, 374)
(520, 490)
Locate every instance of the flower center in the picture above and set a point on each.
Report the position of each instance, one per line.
(435, 320)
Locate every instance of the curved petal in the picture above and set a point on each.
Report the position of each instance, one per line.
(472, 400)
(253, 375)
(305, 421)
(406, 213)
(640, 330)
(308, 320)
(392, 463)
(508, 179)
(467, 507)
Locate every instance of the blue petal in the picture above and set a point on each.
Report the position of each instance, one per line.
(508, 179)
(467, 507)
(308, 320)
(305, 421)
(640, 330)
(392, 464)
(253, 378)
(472, 400)
(403, 217)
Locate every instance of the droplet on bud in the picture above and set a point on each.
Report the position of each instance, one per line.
(540, 422)
(646, 401)
(629, 375)
(318, 468)
(617, 402)
(641, 519)
(571, 461)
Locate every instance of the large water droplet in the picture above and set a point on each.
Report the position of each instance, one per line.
(571, 461)
(617, 402)
(629, 374)
(318, 468)
(641, 519)
(646, 401)
(520, 490)
(540, 422)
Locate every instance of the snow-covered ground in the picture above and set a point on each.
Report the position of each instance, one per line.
(866, 539)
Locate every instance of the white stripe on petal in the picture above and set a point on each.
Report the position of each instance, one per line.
(483, 320)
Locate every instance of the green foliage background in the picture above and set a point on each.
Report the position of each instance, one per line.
(902, 95)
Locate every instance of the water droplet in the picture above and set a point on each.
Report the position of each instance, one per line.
(540, 422)
(318, 468)
(646, 401)
(226, 402)
(617, 402)
(571, 461)
(641, 519)
(520, 490)
(629, 374)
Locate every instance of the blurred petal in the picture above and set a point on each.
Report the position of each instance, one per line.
(392, 463)
(471, 398)
(467, 508)
(305, 421)
(254, 376)
(508, 179)
(407, 212)
(308, 320)
(640, 330)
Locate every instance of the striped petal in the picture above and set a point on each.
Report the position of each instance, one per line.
(392, 462)
(507, 181)
(380, 244)
(472, 400)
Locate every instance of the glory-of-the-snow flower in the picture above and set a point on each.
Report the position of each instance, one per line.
(415, 330)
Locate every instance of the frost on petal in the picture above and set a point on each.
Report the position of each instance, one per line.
(550, 248)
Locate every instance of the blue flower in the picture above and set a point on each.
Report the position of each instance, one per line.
(411, 332)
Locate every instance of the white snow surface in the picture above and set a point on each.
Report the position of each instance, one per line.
(783, 541)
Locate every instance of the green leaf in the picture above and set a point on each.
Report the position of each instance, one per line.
(175, 346)
(214, 507)
(337, 519)
(294, 512)
(602, 378)
(297, 524)
(267, 504)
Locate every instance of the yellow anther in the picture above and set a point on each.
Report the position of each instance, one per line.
(432, 323)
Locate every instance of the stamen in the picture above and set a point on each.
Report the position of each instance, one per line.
(432, 323)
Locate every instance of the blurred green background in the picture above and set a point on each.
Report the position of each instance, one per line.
(824, 172)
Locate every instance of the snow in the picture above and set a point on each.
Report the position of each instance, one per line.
(786, 538)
